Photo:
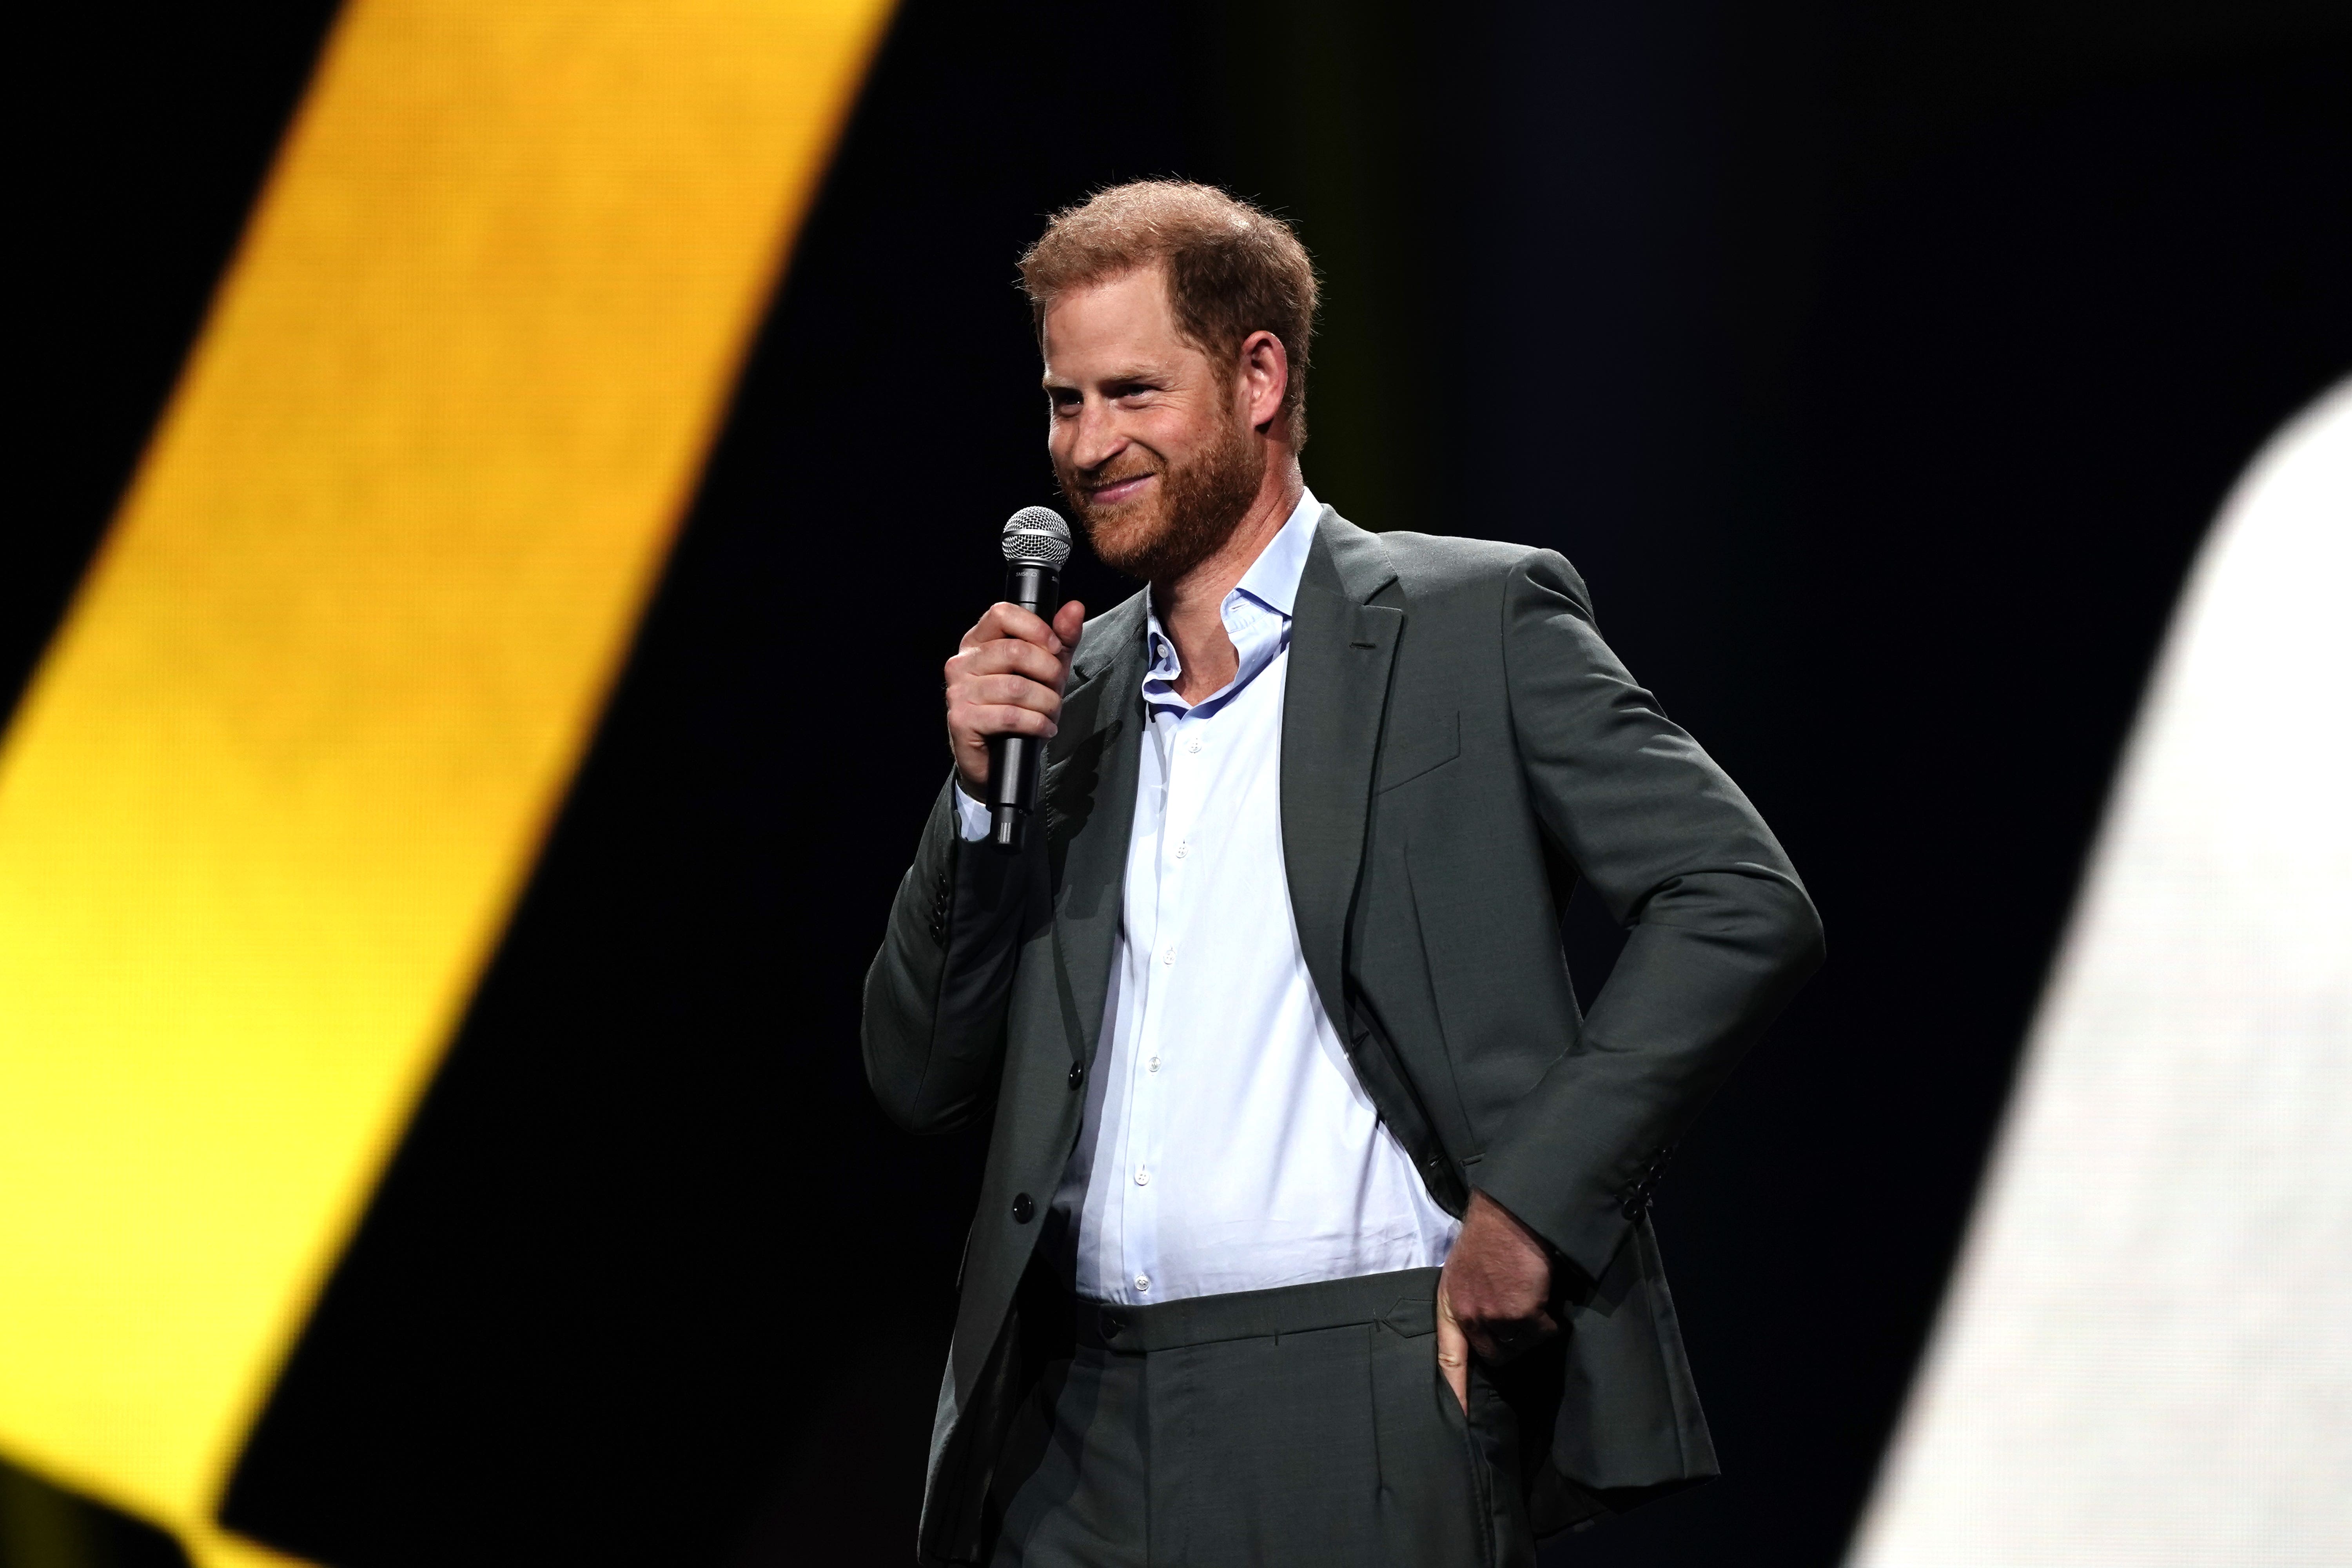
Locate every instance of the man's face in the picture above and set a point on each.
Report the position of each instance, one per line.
(1151, 439)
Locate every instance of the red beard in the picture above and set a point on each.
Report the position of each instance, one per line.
(1194, 510)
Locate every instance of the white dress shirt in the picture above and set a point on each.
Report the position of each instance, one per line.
(1226, 1143)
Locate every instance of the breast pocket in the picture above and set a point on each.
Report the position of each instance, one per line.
(1417, 747)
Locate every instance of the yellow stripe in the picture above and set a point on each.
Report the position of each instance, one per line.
(271, 798)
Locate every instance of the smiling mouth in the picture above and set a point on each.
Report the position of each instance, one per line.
(1113, 491)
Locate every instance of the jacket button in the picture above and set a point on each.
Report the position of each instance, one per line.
(1024, 1206)
(1078, 1073)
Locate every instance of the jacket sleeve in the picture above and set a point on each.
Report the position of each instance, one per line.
(1721, 932)
(933, 1032)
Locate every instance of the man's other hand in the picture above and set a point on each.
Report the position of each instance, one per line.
(1492, 1297)
(1006, 678)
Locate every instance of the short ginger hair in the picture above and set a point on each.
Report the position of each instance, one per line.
(1233, 269)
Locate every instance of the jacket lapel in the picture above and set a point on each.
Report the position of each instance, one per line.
(1334, 699)
(1089, 795)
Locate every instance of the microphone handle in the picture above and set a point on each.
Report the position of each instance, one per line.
(1014, 760)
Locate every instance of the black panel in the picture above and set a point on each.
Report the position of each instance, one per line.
(145, 132)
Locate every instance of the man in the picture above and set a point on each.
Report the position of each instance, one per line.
(1272, 1017)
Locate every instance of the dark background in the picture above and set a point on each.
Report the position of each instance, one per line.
(1880, 366)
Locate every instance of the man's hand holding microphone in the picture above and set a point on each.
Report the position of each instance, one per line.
(1006, 678)
(1004, 684)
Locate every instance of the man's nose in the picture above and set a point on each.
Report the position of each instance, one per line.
(1096, 439)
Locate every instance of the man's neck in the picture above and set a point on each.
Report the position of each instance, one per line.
(1191, 609)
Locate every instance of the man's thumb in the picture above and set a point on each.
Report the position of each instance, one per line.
(1452, 1352)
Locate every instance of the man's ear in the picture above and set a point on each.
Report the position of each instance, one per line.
(1264, 377)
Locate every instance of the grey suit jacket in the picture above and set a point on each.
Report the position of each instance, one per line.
(1458, 746)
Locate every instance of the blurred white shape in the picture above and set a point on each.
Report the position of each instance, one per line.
(2145, 1354)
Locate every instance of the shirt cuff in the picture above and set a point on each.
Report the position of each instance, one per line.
(971, 815)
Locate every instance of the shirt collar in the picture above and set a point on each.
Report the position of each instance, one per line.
(1271, 581)
(1272, 578)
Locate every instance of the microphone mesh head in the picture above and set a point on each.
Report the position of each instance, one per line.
(1037, 533)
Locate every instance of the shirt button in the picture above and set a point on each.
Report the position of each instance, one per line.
(1183, 847)
(1193, 747)
(1142, 1176)
(1168, 955)
(1154, 1064)
(1143, 1282)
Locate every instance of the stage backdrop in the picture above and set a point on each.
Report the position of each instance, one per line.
(423, 1150)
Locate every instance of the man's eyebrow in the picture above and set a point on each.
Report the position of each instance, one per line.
(1126, 377)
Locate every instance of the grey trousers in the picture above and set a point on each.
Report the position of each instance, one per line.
(1303, 1425)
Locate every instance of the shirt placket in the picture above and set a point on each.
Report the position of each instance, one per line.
(1125, 1220)
(1143, 1178)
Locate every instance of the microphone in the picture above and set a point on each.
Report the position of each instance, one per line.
(1036, 543)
